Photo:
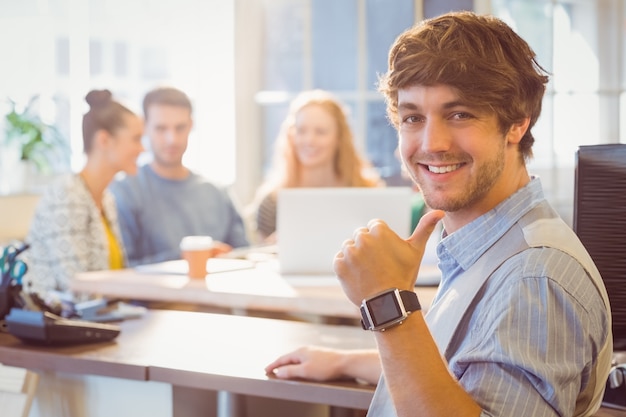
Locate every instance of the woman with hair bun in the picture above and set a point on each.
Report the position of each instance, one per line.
(75, 227)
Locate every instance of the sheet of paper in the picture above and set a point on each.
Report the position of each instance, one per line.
(179, 267)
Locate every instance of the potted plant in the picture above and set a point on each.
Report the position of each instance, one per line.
(39, 146)
(38, 142)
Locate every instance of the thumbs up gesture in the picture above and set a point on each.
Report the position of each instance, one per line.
(376, 258)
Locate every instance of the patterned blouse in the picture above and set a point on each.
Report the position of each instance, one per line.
(68, 235)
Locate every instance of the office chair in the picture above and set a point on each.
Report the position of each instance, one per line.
(600, 223)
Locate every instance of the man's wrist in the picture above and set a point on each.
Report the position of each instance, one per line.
(388, 309)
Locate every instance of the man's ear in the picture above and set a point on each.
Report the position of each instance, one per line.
(517, 131)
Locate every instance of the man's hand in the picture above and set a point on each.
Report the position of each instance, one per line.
(322, 364)
(220, 248)
(313, 363)
(376, 258)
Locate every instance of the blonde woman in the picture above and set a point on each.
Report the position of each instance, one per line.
(315, 148)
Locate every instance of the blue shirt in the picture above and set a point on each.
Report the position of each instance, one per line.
(528, 345)
(155, 213)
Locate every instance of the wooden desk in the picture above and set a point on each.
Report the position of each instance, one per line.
(199, 352)
(196, 352)
(243, 353)
(261, 288)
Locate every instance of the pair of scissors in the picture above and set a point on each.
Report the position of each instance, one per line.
(13, 269)
(17, 271)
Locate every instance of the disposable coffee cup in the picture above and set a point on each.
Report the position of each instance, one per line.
(197, 250)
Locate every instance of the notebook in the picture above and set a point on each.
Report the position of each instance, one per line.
(312, 223)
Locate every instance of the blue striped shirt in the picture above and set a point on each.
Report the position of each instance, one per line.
(530, 342)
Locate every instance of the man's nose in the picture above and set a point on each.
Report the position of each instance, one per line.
(436, 136)
(170, 136)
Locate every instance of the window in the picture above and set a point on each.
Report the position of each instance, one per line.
(342, 46)
(241, 62)
(61, 49)
(580, 42)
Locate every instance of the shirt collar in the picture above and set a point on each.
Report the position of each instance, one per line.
(463, 247)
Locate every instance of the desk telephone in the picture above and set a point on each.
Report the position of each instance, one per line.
(30, 320)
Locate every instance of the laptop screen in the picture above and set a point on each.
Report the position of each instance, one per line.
(312, 223)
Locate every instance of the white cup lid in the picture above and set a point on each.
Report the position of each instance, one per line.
(196, 243)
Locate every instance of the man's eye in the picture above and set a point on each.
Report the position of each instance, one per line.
(411, 119)
(461, 116)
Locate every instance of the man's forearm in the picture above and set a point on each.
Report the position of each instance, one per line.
(417, 376)
(363, 365)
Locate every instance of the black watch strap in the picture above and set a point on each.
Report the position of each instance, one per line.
(408, 299)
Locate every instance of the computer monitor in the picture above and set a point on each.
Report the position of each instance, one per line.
(600, 222)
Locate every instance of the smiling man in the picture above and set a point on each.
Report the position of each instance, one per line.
(521, 323)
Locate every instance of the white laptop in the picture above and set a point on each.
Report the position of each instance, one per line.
(312, 223)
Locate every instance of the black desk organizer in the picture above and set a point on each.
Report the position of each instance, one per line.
(6, 302)
(9, 287)
(45, 327)
(615, 393)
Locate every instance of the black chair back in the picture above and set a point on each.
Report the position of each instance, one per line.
(600, 222)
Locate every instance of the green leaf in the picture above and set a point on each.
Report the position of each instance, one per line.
(38, 142)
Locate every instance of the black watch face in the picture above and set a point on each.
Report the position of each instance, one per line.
(384, 308)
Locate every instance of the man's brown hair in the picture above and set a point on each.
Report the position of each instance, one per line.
(166, 96)
(481, 57)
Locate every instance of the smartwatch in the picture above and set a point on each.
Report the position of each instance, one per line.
(387, 309)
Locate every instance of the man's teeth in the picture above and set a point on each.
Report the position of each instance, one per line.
(444, 169)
